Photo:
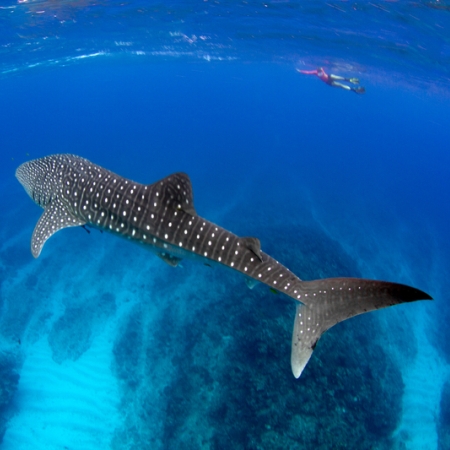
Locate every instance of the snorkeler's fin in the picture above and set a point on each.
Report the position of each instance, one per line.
(354, 80)
(358, 90)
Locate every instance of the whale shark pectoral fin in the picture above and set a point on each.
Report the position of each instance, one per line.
(254, 245)
(54, 218)
(169, 259)
(330, 301)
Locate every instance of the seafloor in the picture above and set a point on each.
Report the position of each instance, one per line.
(105, 346)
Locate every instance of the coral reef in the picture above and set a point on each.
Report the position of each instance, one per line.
(444, 418)
(71, 334)
(9, 380)
(214, 369)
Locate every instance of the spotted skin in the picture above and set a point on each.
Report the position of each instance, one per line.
(73, 191)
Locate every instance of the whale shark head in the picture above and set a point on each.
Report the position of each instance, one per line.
(46, 180)
(41, 179)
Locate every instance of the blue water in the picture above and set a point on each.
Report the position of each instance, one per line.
(103, 346)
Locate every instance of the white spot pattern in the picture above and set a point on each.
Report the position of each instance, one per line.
(133, 213)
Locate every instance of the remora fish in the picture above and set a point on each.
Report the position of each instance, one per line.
(73, 191)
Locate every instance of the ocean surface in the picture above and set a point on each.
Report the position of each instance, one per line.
(103, 346)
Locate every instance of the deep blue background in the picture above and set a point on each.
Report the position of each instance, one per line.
(227, 124)
(265, 148)
(262, 141)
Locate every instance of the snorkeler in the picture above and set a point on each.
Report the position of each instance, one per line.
(333, 80)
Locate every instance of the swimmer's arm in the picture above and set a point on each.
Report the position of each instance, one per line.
(307, 72)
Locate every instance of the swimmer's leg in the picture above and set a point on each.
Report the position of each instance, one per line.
(338, 78)
(340, 85)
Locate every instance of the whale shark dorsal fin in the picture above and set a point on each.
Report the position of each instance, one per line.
(176, 191)
(254, 245)
(54, 218)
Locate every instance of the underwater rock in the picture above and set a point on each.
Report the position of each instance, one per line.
(128, 348)
(9, 380)
(71, 334)
(444, 418)
(213, 366)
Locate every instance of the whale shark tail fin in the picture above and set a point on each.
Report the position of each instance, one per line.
(332, 300)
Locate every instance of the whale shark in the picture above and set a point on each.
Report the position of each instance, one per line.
(76, 192)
